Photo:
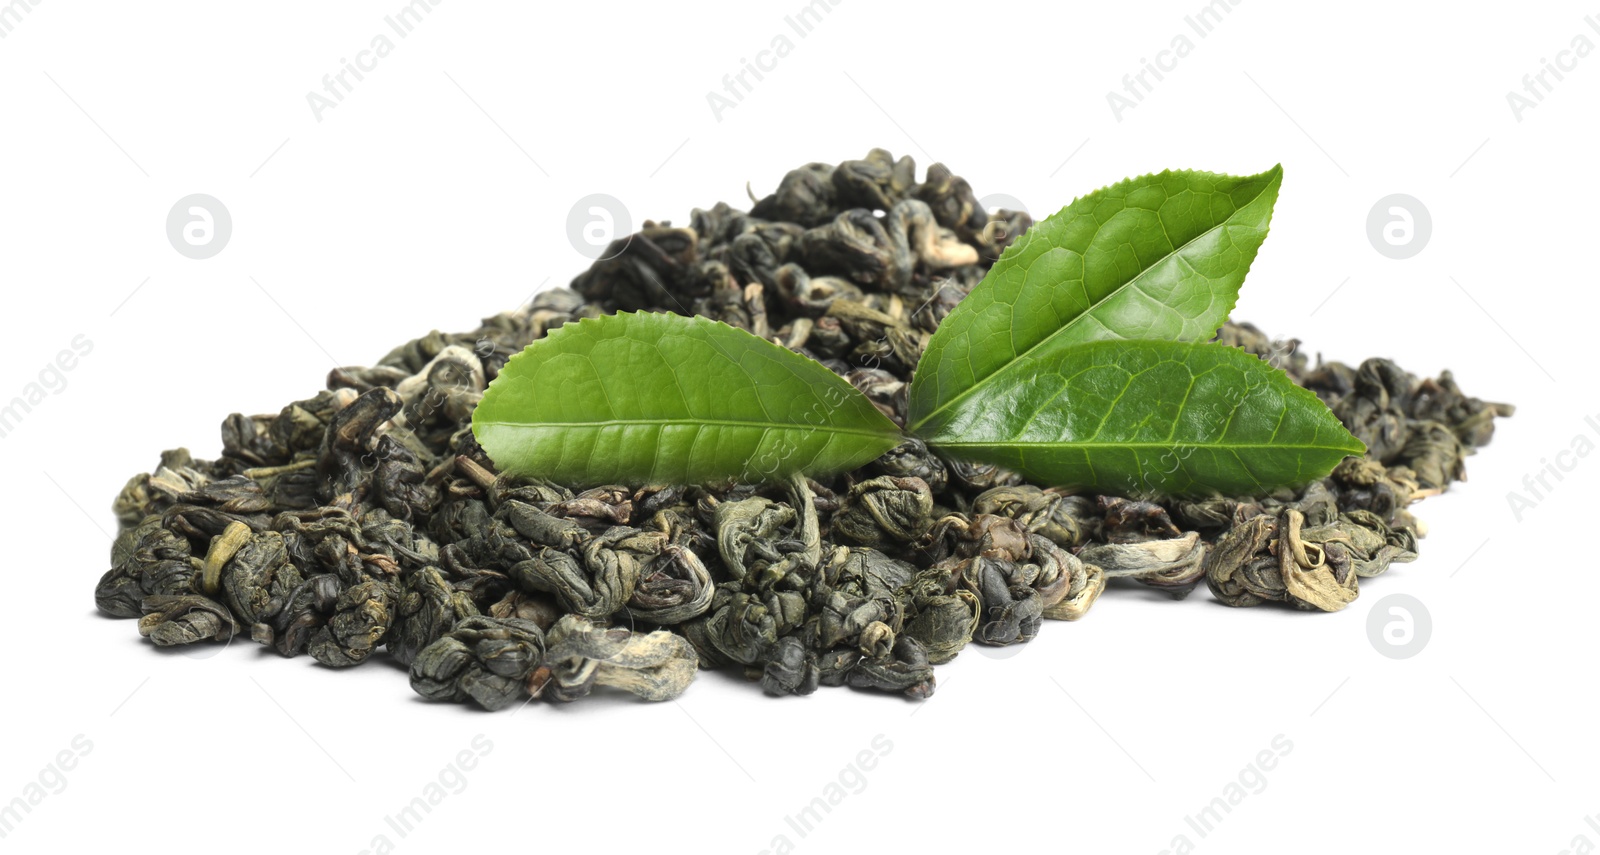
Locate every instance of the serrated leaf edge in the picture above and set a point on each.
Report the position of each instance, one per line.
(912, 425)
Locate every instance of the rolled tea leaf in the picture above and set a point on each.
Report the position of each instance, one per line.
(656, 398)
(656, 666)
(1143, 418)
(1158, 257)
(484, 659)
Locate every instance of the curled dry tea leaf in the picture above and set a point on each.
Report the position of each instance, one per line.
(656, 666)
(484, 659)
(654, 398)
(1155, 257)
(1139, 418)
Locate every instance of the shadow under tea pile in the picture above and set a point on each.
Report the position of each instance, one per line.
(367, 516)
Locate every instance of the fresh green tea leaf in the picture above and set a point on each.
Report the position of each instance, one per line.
(1159, 257)
(655, 398)
(1142, 418)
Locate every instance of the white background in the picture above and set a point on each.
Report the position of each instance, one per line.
(438, 192)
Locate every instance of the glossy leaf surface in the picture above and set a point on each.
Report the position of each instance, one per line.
(655, 398)
(1143, 418)
(1158, 257)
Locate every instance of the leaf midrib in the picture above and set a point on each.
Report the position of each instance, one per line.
(693, 422)
(914, 428)
(1130, 445)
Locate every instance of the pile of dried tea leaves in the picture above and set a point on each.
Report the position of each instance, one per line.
(367, 517)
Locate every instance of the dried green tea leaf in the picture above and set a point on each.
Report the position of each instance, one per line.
(1142, 418)
(1159, 257)
(656, 398)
